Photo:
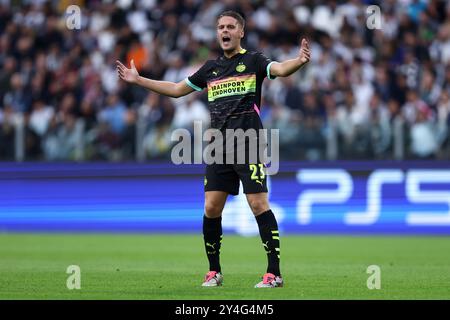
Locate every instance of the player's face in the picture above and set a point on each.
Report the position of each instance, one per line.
(229, 33)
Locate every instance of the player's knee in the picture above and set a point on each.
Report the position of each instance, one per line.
(258, 206)
(213, 210)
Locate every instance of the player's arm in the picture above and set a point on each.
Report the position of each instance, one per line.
(166, 88)
(288, 67)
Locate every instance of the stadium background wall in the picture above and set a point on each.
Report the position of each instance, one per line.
(323, 197)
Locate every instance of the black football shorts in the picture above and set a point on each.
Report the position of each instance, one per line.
(225, 177)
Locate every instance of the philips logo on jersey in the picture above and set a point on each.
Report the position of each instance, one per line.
(231, 86)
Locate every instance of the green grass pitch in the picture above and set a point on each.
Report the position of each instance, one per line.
(122, 266)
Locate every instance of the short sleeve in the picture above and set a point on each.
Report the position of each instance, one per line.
(263, 66)
(197, 81)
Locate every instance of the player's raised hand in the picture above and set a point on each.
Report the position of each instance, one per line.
(305, 52)
(129, 75)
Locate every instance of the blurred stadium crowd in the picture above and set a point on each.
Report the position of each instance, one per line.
(366, 94)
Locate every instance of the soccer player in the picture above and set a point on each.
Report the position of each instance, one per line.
(243, 72)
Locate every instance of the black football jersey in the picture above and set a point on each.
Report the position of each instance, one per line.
(234, 89)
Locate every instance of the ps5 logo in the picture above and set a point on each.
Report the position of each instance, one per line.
(412, 180)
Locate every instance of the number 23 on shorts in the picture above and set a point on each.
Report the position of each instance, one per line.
(254, 170)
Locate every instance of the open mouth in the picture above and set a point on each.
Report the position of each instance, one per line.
(226, 40)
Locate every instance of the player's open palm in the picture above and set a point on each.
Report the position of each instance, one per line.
(305, 53)
(129, 75)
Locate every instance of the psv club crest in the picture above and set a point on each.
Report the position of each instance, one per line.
(240, 67)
